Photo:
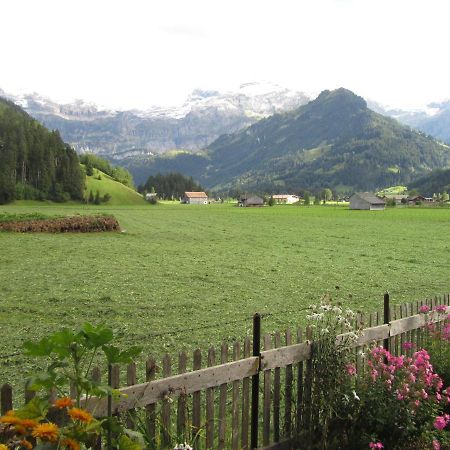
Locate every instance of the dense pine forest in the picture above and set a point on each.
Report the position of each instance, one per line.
(34, 162)
(171, 185)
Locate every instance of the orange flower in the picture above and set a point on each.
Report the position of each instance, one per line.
(28, 423)
(9, 418)
(71, 444)
(63, 402)
(27, 444)
(46, 432)
(80, 414)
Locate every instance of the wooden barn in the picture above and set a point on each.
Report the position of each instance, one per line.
(250, 200)
(195, 198)
(366, 200)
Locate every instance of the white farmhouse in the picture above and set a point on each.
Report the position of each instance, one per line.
(288, 199)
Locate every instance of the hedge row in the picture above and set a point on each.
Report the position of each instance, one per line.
(81, 224)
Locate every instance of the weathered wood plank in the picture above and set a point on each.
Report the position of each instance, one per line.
(131, 381)
(210, 403)
(154, 391)
(399, 326)
(288, 444)
(235, 403)
(289, 381)
(150, 409)
(223, 400)
(267, 395)
(6, 398)
(283, 356)
(182, 401)
(166, 408)
(276, 394)
(298, 415)
(245, 400)
(196, 401)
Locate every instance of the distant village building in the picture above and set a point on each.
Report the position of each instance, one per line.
(287, 199)
(195, 198)
(366, 200)
(397, 198)
(151, 195)
(250, 200)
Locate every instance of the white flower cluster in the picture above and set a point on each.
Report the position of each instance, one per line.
(183, 447)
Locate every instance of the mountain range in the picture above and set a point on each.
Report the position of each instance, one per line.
(203, 117)
(333, 141)
(262, 137)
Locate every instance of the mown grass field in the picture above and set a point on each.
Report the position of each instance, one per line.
(178, 274)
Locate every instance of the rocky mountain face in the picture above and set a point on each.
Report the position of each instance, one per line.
(334, 141)
(433, 120)
(204, 117)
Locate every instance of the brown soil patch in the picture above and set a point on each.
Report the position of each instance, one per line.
(77, 224)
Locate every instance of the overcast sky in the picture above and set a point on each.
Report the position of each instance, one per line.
(134, 54)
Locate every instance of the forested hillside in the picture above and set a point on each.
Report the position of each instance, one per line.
(34, 162)
(335, 141)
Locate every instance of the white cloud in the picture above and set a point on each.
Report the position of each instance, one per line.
(138, 53)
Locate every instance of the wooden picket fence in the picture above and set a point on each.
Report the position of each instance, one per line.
(221, 401)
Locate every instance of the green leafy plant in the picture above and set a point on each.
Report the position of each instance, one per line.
(45, 423)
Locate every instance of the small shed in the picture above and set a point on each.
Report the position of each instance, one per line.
(250, 200)
(366, 200)
(195, 198)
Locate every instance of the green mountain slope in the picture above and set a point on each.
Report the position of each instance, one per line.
(437, 181)
(120, 194)
(334, 141)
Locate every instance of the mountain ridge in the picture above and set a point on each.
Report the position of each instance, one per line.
(333, 141)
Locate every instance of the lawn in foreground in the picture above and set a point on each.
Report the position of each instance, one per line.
(178, 268)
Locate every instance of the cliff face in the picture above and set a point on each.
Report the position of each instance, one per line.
(204, 117)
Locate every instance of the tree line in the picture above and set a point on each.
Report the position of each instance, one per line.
(169, 186)
(35, 163)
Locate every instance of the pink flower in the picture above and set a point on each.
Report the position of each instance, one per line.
(424, 309)
(436, 445)
(440, 308)
(351, 369)
(441, 422)
(407, 345)
(376, 445)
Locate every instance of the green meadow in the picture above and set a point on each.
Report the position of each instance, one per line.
(185, 276)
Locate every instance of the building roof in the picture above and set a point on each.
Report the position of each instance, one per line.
(370, 198)
(283, 196)
(195, 194)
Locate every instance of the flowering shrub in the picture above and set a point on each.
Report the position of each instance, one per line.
(333, 336)
(437, 341)
(399, 399)
(43, 424)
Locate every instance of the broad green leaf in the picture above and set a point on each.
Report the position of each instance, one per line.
(126, 443)
(42, 348)
(35, 409)
(97, 336)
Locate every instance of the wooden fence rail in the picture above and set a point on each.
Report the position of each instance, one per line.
(209, 406)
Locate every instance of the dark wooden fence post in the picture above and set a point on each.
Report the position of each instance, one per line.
(255, 381)
(387, 318)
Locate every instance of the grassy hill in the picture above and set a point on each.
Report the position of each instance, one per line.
(120, 194)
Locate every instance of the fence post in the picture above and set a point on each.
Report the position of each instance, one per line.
(255, 381)
(387, 318)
